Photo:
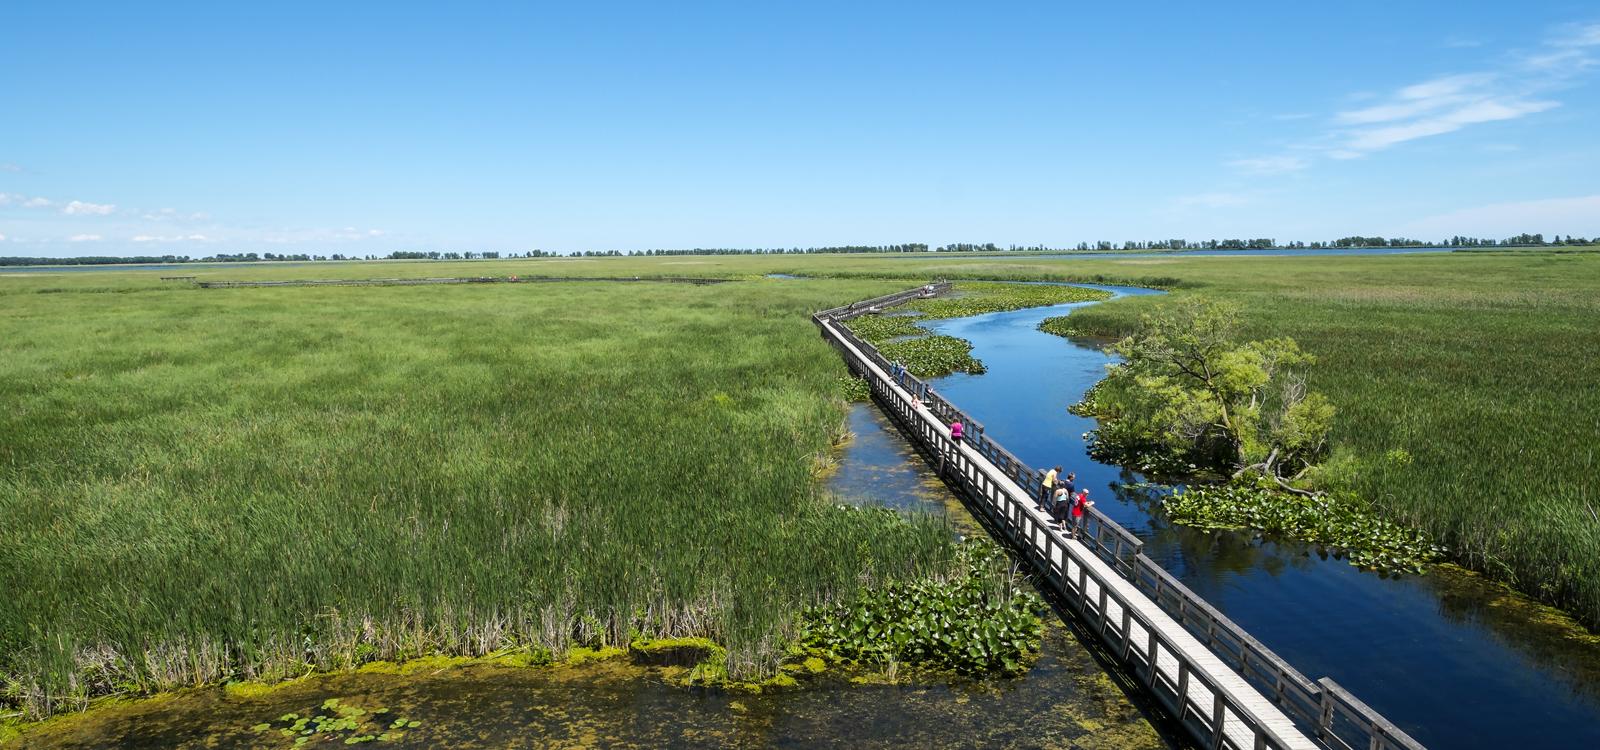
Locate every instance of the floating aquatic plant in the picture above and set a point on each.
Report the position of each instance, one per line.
(337, 721)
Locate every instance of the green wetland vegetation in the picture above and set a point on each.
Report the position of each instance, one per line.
(204, 485)
(257, 483)
(1339, 521)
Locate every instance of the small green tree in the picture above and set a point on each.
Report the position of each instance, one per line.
(1189, 390)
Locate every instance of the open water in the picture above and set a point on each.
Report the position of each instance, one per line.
(1453, 660)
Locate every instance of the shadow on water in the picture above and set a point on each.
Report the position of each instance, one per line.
(1454, 660)
(1065, 701)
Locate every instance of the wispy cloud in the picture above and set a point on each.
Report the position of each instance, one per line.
(1420, 98)
(70, 208)
(1212, 200)
(2, 238)
(1523, 84)
(1579, 215)
(1361, 142)
(174, 238)
(1577, 35)
(81, 208)
(80, 221)
(298, 236)
(9, 167)
(173, 214)
(1266, 165)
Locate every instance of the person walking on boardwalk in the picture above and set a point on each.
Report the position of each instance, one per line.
(1048, 487)
(956, 431)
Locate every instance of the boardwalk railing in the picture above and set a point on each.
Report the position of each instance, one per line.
(1224, 686)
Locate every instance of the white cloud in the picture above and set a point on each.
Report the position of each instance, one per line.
(84, 238)
(173, 238)
(1577, 35)
(1420, 98)
(1265, 165)
(38, 203)
(1212, 200)
(1365, 141)
(81, 208)
(302, 235)
(9, 167)
(6, 198)
(2, 238)
(1521, 85)
(173, 214)
(1580, 215)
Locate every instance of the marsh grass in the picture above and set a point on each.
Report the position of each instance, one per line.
(200, 474)
(254, 483)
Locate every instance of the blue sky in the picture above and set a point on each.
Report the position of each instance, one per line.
(219, 127)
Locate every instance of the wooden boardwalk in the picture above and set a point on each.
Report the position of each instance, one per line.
(1220, 684)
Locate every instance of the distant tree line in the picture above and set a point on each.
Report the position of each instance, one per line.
(912, 247)
(1353, 241)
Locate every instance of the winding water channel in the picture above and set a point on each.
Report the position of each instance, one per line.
(1454, 661)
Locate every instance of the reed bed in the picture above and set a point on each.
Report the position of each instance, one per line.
(201, 485)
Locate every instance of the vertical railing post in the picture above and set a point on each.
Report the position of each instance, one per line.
(1217, 717)
(1324, 713)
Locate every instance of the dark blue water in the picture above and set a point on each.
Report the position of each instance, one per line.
(1089, 255)
(1439, 657)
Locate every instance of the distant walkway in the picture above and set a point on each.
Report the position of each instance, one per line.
(1219, 683)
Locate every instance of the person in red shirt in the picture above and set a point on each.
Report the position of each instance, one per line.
(1080, 505)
